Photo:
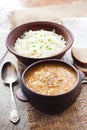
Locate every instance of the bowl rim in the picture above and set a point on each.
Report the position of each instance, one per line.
(69, 33)
(51, 60)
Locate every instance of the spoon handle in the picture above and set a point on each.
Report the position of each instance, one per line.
(14, 116)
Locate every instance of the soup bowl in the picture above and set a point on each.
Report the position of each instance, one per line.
(35, 26)
(58, 100)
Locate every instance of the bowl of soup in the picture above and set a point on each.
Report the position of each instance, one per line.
(39, 40)
(51, 85)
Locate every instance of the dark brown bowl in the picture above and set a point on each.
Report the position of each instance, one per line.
(55, 103)
(49, 26)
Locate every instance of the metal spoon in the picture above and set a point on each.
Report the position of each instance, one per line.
(9, 76)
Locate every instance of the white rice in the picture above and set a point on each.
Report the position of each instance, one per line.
(39, 44)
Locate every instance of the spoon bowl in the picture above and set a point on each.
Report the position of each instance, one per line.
(9, 73)
(9, 76)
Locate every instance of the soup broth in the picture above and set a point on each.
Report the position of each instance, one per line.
(51, 79)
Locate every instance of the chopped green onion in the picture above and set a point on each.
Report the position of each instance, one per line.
(32, 42)
(41, 46)
(50, 48)
(33, 45)
(35, 50)
(47, 47)
(49, 40)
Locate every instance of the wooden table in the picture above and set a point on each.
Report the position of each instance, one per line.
(5, 124)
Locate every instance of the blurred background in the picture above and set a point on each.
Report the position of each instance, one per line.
(29, 3)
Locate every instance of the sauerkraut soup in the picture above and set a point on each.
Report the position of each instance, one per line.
(39, 44)
(50, 79)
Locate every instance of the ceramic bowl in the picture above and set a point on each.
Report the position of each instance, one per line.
(45, 25)
(52, 103)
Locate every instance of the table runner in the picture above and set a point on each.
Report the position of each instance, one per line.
(74, 118)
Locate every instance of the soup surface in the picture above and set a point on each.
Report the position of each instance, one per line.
(39, 44)
(51, 79)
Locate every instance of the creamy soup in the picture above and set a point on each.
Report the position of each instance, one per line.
(39, 44)
(51, 79)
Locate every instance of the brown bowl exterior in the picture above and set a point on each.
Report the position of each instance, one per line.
(45, 25)
(52, 104)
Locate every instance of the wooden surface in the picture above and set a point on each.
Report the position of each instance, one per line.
(23, 124)
(5, 124)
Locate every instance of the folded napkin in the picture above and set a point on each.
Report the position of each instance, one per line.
(48, 13)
